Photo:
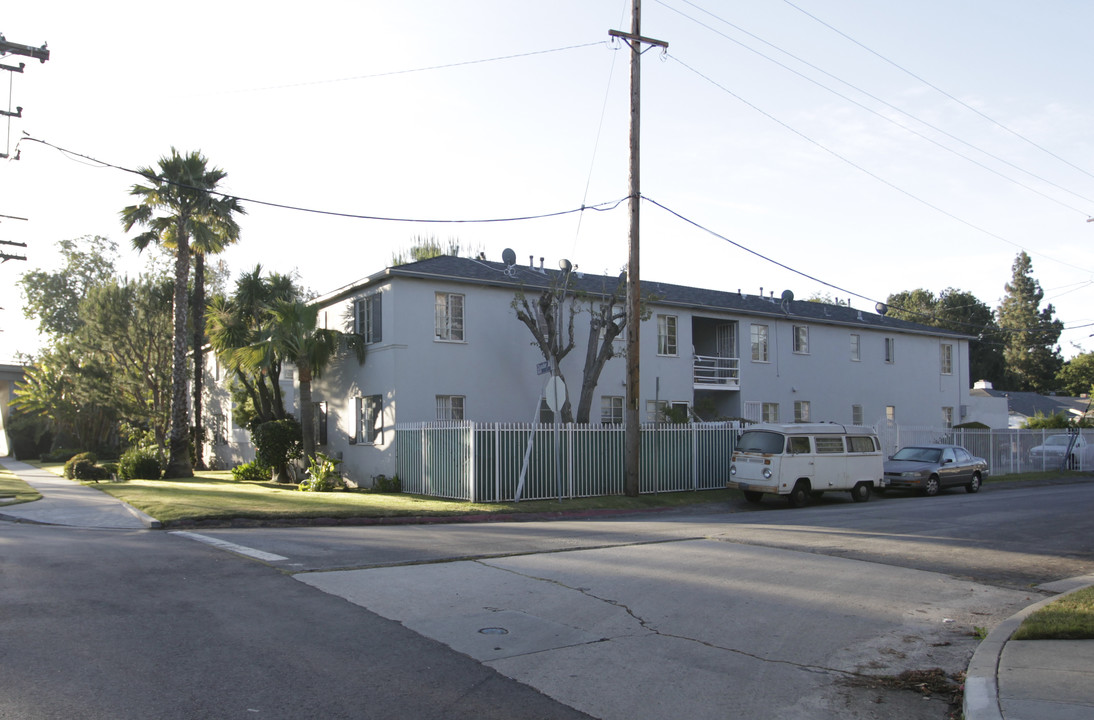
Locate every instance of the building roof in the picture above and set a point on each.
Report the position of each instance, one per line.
(516, 277)
(1029, 404)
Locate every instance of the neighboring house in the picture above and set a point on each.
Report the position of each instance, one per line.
(444, 344)
(9, 375)
(1022, 406)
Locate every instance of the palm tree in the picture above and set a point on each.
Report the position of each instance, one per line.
(178, 206)
(294, 337)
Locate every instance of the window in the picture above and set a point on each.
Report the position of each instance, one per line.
(856, 347)
(759, 343)
(367, 317)
(947, 417)
(319, 413)
(370, 419)
(449, 317)
(611, 410)
(801, 411)
(890, 350)
(860, 444)
(829, 444)
(801, 339)
(856, 415)
(220, 429)
(656, 410)
(450, 407)
(753, 410)
(666, 335)
(769, 412)
(797, 444)
(947, 359)
(890, 413)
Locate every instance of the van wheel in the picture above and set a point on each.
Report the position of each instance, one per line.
(753, 496)
(861, 492)
(931, 488)
(799, 496)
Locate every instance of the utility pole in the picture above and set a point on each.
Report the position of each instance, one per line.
(9, 48)
(631, 422)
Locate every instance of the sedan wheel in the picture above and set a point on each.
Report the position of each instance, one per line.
(974, 484)
(931, 488)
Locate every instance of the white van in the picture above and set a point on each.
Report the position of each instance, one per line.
(806, 459)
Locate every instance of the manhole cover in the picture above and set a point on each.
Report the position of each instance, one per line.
(494, 631)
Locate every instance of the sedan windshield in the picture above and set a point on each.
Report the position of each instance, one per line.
(918, 454)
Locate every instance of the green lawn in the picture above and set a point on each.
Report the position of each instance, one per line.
(14, 491)
(215, 496)
(1069, 618)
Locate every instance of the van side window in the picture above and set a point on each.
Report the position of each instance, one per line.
(795, 445)
(861, 443)
(829, 444)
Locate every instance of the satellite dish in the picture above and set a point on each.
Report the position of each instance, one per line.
(788, 296)
(565, 265)
(881, 308)
(509, 257)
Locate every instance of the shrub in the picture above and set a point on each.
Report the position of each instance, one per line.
(139, 464)
(277, 442)
(59, 455)
(251, 472)
(322, 475)
(88, 470)
(70, 464)
(111, 468)
(385, 484)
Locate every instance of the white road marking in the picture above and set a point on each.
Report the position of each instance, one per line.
(230, 547)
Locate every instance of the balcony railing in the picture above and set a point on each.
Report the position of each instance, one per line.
(716, 373)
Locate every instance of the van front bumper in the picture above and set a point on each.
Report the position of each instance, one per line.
(751, 487)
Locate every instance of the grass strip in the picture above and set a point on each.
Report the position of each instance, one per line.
(214, 496)
(14, 491)
(1069, 618)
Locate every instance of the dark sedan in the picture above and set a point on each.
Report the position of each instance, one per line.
(931, 468)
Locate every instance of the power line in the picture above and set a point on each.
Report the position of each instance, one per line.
(600, 207)
(870, 173)
(937, 89)
(886, 104)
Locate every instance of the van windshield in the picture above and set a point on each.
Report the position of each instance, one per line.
(761, 441)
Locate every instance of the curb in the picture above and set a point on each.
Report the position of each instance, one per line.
(982, 679)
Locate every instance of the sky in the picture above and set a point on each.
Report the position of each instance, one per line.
(845, 148)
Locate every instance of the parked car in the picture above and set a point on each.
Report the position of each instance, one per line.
(1051, 454)
(931, 468)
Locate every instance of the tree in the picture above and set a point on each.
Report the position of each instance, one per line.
(961, 312)
(550, 318)
(293, 336)
(54, 298)
(1030, 354)
(424, 247)
(126, 328)
(178, 206)
(1076, 377)
(239, 322)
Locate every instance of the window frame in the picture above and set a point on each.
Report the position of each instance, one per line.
(370, 420)
(609, 409)
(890, 350)
(451, 406)
(760, 341)
(800, 335)
(946, 358)
(802, 411)
(769, 412)
(856, 414)
(368, 317)
(667, 337)
(449, 317)
(856, 347)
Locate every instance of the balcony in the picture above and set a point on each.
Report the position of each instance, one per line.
(716, 373)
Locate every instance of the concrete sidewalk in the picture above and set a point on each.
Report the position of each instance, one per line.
(66, 502)
(1032, 679)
